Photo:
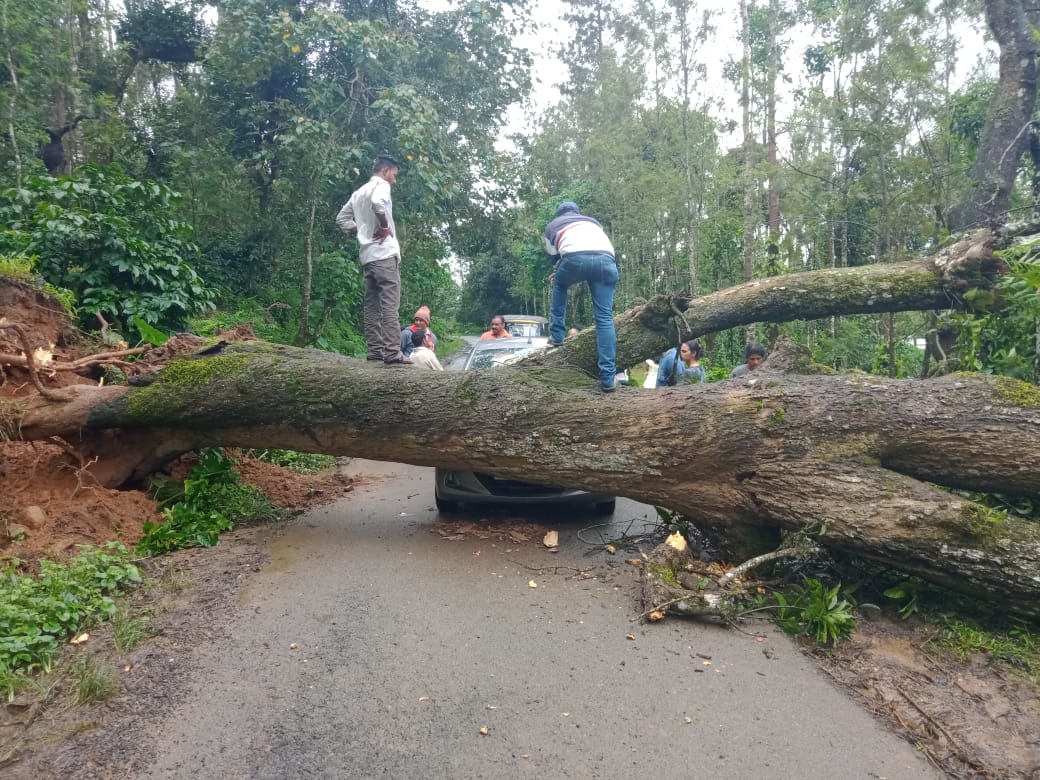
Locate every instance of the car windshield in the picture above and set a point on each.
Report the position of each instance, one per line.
(525, 329)
(496, 353)
(525, 326)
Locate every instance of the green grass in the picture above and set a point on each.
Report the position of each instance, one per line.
(90, 683)
(129, 630)
(300, 462)
(1016, 646)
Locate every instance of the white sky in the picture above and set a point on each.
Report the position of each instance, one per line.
(548, 72)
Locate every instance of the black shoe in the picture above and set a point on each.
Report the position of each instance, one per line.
(398, 362)
(610, 389)
(550, 344)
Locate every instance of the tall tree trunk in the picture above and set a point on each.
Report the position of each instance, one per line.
(685, 64)
(303, 336)
(748, 149)
(1005, 135)
(773, 197)
(14, 94)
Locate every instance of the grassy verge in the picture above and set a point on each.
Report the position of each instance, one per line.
(39, 613)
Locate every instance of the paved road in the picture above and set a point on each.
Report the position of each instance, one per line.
(409, 643)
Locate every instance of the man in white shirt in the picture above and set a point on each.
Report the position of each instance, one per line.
(369, 214)
(581, 251)
(422, 351)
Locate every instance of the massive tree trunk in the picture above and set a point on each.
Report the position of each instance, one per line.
(855, 455)
(858, 458)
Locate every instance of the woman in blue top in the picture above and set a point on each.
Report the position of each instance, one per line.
(682, 366)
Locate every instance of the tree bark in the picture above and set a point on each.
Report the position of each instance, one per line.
(1005, 136)
(856, 455)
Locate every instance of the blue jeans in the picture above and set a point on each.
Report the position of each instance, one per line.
(600, 271)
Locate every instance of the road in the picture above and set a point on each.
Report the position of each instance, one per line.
(370, 646)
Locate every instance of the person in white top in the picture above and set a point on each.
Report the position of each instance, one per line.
(422, 351)
(581, 251)
(369, 214)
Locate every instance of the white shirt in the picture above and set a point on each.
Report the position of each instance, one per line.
(424, 358)
(580, 236)
(361, 212)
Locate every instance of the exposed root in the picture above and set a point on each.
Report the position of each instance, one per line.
(30, 364)
(104, 359)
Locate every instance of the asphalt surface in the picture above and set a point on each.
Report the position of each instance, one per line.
(371, 646)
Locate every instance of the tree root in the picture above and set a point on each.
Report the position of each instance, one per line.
(30, 364)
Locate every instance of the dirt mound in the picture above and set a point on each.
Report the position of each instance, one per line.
(41, 315)
(969, 718)
(51, 505)
(51, 501)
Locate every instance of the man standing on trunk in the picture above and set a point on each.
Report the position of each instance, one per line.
(369, 214)
(581, 251)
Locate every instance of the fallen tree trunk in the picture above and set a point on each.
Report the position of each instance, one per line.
(936, 282)
(856, 455)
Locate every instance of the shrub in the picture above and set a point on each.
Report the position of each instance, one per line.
(812, 609)
(211, 501)
(109, 239)
(37, 614)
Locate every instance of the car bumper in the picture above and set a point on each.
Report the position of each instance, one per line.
(477, 488)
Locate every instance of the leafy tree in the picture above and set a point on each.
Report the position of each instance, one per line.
(109, 239)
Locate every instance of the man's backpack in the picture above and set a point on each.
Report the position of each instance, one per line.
(673, 376)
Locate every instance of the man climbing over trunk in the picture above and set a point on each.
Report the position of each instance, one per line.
(581, 251)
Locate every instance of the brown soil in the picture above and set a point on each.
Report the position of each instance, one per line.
(971, 719)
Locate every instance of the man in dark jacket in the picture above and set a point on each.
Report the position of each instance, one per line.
(581, 251)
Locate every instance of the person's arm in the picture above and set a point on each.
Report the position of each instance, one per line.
(345, 219)
(381, 208)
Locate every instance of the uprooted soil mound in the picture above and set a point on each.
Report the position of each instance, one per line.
(50, 501)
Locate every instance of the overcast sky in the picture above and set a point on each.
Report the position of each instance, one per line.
(548, 71)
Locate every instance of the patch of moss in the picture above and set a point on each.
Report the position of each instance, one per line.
(196, 373)
(179, 378)
(663, 573)
(467, 395)
(985, 524)
(777, 418)
(1017, 393)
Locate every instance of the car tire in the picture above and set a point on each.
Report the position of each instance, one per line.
(605, 507)
(445, 506)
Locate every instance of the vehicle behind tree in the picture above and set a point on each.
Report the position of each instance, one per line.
(455, 488)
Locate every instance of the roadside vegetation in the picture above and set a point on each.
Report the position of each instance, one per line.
(210, 501)
(40, 612)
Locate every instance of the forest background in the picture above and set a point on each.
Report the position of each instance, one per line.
(180, 164)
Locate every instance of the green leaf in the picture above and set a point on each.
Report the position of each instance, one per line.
(152, 335)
